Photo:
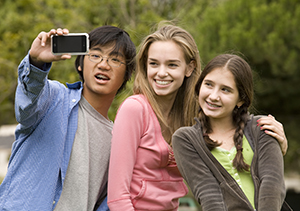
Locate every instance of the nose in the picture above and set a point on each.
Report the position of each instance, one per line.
(103, 64)
(162, 71)
(214, 95)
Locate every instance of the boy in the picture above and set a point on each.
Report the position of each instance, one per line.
(60, 158)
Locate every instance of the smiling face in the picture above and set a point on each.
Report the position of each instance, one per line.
(218, 94)
(101, 79)
(166, 68)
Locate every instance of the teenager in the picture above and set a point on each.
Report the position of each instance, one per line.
(226, 159)
(60, 158)
(143, 174)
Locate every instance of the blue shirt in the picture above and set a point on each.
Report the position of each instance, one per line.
(47, 112)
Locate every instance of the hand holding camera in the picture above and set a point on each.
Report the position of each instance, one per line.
(57, 45)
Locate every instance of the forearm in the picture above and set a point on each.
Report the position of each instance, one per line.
(125, 142)
(120, 174)
(198, 176)
(271, 174)
(31, 82)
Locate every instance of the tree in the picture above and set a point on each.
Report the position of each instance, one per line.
(266, 32)
(22, 20)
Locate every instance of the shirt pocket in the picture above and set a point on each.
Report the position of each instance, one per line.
(159, 194)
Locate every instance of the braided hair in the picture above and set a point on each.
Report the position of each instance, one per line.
(243, 78)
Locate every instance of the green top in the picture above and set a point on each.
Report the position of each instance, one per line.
(243, 178)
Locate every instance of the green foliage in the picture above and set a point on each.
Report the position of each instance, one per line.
(266, 32)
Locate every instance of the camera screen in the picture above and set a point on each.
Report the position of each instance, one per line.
(69, 44)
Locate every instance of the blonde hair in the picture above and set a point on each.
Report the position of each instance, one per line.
(185, 106)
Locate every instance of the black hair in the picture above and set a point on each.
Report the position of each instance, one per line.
(105, 35)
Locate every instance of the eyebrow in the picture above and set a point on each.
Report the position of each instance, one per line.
(172, 60)
(116, 53)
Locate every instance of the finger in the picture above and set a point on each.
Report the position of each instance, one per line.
(270, 115)
(274, 135)
(43, 37)
(66, 56)
(268, 121)
(281, 140)
(272, 128)
(51, 32)
(65, 31)
(59, 31)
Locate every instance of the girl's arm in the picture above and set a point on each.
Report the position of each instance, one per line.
(200, 179)
(271, 174)
(127, 132)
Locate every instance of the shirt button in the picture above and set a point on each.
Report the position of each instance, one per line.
(53, 202)
(74, 100)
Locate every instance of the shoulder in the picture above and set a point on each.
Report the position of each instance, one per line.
(251, 124)
(189, 130)
(254, 118)
(134, 103)
(183, 130)
(186, 134)
(76, 85)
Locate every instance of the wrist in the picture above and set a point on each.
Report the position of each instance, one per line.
(36, 62)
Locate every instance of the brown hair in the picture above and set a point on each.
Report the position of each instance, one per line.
(185, 106)
(243, 78)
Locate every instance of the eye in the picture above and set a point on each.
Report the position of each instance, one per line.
(208, 84)
(114, 59)
(226, 90)
(153, 64)
(94, 56)
(172, 65)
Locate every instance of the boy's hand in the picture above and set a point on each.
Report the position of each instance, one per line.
(40, 52)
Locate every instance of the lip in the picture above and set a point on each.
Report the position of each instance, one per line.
(162, 83)
(212, 105)
(101, 78)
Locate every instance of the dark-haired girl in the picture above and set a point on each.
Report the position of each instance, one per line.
(226, 159)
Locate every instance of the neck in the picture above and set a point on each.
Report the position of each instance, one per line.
(221, 125)
(165, 104)
(100, 103)
(223, 133)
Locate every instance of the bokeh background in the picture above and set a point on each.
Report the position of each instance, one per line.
(266, 32)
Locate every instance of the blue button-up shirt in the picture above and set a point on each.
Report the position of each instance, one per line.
(47, 112)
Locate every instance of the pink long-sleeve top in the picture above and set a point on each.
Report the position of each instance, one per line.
(143, 174)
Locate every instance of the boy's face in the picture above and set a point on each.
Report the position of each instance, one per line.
(103, 77)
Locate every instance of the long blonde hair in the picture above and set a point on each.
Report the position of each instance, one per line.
(185, 106)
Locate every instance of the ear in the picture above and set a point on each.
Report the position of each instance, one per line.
(79, 68)
(190, 68)
(240, 103)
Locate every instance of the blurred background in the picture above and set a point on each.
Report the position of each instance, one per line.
(266, 32)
